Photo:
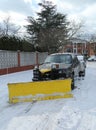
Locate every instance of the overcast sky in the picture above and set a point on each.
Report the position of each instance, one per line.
(18, 10)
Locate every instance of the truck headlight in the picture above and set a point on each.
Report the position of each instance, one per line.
(36, 67)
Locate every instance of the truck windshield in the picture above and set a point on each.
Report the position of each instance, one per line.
(59, 58)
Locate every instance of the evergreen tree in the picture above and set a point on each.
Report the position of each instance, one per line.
(15, 43)
(49, 31)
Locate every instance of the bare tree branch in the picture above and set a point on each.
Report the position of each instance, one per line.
(10, 28)
(75, 28)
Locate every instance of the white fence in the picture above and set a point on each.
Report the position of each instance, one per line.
(9, 59)
(27, 58)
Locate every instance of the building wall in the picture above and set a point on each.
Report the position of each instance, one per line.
(92, 48)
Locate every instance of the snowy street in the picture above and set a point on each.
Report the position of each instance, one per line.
(77, 113)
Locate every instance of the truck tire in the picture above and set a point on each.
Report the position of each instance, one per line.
(82, 73)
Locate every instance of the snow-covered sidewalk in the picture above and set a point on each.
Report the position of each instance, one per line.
(78, 113)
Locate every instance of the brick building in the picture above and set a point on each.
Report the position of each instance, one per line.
(79, 46)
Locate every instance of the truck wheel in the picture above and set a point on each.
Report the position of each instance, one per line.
(82, 73)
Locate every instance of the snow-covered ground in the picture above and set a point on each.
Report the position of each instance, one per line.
(77, 113)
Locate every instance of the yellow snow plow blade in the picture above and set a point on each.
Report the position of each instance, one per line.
(42, 90)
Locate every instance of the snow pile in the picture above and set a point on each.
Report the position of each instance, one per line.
(74, 119)
(68, 118)
(36, 122)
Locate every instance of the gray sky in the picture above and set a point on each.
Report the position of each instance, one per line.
(76, 10)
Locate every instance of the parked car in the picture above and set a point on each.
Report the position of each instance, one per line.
(57, 66)
(92, 58)
(82, 65)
